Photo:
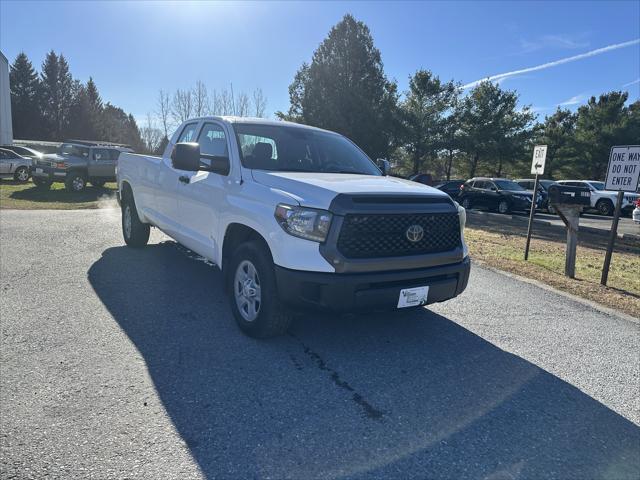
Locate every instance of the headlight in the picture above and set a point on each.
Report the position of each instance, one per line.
(302, 222)
(462, 216)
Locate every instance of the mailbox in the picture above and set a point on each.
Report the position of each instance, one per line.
(566, 195)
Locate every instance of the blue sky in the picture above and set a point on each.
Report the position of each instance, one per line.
(134, 49)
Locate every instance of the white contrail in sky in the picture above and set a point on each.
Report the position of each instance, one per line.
(631, 83)
(555, 63)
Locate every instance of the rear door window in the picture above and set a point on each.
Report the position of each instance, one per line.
(101, 154)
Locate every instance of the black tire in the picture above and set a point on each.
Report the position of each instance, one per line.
(21, 174)
(552, 210)
(135, 233)
(41, 184)
(605, 207)
(98, 183)
(503, 207)
(273, 317)
(75, 182)
(466, 203)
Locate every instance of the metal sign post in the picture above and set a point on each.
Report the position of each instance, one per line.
(537, 167)
(623, 175)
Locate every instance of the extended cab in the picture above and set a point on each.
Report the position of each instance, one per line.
(295, 217)
(78, 162)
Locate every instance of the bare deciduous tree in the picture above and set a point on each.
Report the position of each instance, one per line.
(222, 102)
(164, 110)
(151, 135)
(201, 105)
(242, 105)
(182, 105)
(259, 102)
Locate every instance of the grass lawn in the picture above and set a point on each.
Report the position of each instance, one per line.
(546, 264)
(27, 196)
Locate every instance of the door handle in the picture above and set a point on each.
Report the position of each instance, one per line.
(184, 179)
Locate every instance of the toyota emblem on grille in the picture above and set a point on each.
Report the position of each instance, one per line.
(414, 233)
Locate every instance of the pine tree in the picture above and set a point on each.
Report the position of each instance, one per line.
(345, 89)
(50, 94)
(25, 90)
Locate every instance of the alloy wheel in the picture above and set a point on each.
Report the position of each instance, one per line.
(247, 291)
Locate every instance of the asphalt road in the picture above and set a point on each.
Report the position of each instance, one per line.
(625, 224)
(121, 363)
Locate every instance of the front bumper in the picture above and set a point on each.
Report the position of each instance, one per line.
(50, 173)
(368, 291)
(523, 204)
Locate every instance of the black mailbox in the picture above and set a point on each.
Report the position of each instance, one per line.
(566, 195)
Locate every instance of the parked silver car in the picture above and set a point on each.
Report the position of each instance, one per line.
(14, 166)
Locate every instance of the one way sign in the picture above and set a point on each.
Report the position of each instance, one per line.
(539, 156)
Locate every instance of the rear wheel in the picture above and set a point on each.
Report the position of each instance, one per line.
(503, 206)
(41, 183)
(251, 283)
(604, 207)
(21, 174)
(135, 233)
(75, 182)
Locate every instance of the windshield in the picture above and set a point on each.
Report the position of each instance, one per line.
(508, 185)
(597, 185)
(73, 150)
(292, 149)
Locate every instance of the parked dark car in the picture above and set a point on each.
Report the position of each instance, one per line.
(543, 190)
(450, 187)
(497, 194)
(423, 178)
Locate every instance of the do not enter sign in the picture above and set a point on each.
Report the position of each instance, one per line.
(624, 168)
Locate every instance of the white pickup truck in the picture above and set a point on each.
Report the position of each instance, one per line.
(296, 217)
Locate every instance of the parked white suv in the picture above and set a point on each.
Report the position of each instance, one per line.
(604, 201)
(296, 217)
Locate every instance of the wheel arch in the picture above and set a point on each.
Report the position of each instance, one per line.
(125, 189)
(236, 234)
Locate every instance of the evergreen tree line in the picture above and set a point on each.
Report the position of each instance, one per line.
(52, 105)
(439, 127)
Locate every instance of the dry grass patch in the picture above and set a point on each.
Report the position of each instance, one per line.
(546, 264)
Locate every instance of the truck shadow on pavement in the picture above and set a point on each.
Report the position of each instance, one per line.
(409, 394)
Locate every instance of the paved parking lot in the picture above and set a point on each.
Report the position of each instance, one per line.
(121, 363)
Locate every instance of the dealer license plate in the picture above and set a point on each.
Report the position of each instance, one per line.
(413, 297)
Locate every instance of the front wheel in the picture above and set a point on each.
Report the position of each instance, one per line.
(135, 233)
(75, 182)
(251, 283)
(552, 210)
(21, 174)
(503, 207)
(604, 207)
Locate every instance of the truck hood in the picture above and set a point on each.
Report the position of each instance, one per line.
(319, 189)
(58, 158)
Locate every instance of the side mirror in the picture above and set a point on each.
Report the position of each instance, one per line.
(186, 156)
(383, 165)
